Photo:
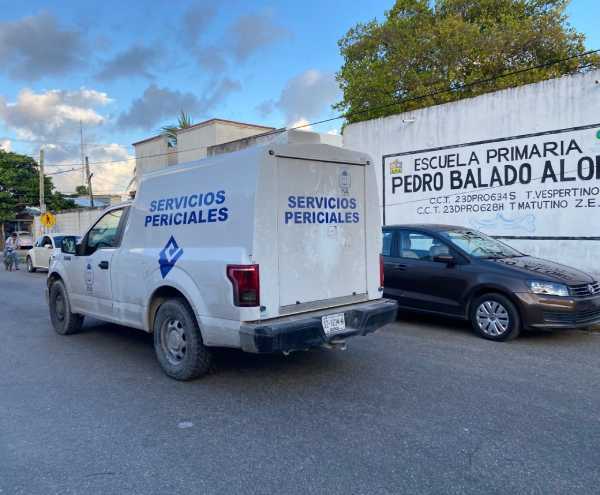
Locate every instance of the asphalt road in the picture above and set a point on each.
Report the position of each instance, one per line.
(422, 406)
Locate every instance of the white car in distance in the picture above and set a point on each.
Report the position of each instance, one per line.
(39, 256)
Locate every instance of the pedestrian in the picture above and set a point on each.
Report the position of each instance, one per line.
(10, 252)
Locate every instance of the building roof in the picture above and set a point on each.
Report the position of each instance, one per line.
(152, 138)
(225, 121)
(205, 123)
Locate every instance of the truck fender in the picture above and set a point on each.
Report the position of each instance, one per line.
(179, 280)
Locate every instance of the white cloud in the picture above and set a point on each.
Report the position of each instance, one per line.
(305, 97)
(252, 33)
(36, 46)
(135, 61)
(303, 124)
(5, 144)
(53, 114)
(111, 176)
(157, 104)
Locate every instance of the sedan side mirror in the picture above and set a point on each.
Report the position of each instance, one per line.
(448, 259)
(69, 245)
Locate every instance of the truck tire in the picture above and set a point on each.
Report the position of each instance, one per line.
(495, 317)
(178, 341)
(63, 320)
(30, 267)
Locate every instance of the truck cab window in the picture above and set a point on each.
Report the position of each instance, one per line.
(104, 233)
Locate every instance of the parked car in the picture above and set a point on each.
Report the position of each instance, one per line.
(40, 254)
(25, 238)
(459, 272)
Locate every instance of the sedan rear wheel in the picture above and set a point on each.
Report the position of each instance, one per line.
(30, 267)
(495, 317)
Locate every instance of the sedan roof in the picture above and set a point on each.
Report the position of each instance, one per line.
(434, 227)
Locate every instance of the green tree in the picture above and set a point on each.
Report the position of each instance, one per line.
(184, 121)
(82, 190)
(423, 47)
(19, 186)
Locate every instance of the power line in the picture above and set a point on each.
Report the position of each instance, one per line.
(400, 101)
(69, 143)
(431, 94)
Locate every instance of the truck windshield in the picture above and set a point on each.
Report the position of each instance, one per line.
(480, 245)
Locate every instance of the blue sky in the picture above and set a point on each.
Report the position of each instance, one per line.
(125, 68)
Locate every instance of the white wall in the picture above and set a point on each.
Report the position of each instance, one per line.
(524, 116)
(150, 155)
(73, 222)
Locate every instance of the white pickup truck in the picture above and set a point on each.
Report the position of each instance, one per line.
(274, 248)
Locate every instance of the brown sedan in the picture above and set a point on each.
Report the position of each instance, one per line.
(459, 272)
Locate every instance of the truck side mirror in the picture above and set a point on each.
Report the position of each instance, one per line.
(69, 245)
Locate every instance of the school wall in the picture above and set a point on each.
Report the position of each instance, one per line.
(551, 210)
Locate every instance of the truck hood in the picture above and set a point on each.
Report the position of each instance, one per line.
(546, 270)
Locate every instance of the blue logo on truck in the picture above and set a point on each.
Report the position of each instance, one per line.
(169, 256)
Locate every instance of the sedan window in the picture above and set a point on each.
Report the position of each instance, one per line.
(419, 246)
(480, 245)
(388, 237)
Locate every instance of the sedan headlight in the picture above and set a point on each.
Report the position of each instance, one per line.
(548, 288)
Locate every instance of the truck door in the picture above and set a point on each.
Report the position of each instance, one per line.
(92, 284)
(321, 236)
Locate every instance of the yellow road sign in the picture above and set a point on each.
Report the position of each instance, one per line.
(48, 220)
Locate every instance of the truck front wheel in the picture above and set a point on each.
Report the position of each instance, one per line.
(63, 321)
(178, 342)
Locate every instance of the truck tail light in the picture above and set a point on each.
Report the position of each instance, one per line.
(246, 284)
(381, 271)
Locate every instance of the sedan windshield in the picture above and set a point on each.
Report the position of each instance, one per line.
(479, 245)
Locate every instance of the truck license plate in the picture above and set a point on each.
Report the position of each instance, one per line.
(333, 324)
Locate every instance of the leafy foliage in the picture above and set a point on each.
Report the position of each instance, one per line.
(184, 121)
(82, 190)
(423, 47)
(19, 186)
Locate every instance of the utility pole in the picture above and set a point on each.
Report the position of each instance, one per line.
(42, 183)
(89, 181)
(82, 152)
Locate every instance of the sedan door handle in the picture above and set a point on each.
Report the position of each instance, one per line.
(103, 265)
(398, 266)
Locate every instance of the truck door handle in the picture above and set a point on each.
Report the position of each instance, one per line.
(398, 266)
(103, 265)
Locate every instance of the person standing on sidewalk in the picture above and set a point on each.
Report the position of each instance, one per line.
(10, 250)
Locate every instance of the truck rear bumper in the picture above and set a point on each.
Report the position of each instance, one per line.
(299, 332)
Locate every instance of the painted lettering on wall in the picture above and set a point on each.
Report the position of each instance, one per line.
(505, 185)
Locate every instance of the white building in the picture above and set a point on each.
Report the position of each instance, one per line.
(521, 164)
(192, 144)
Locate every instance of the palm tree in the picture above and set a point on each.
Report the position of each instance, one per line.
(183, 122)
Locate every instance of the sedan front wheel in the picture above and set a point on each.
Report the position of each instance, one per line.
(495, 317)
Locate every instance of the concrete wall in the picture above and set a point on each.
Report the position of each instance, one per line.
(150, 155)
(551, 209)
(192, 142)
(74, 222)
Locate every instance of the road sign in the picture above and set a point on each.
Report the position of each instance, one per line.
(48, 220)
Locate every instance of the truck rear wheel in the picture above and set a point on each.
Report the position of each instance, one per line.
(178, 342)
(63, 320)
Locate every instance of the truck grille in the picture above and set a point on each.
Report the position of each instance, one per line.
(585, 290)
(574, 318)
